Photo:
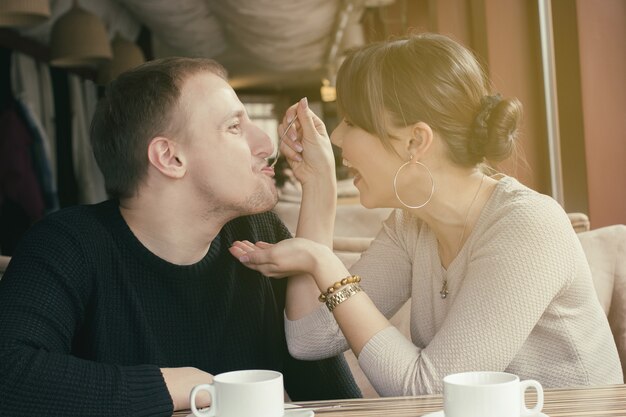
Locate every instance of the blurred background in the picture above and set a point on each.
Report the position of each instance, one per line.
(564, 59)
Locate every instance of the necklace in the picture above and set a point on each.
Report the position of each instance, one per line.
(444, 285)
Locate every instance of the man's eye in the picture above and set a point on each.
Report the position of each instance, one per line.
(235, 127)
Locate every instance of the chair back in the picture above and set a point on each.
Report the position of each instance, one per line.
(605, 249)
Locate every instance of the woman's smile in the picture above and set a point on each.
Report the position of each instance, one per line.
(355, 173)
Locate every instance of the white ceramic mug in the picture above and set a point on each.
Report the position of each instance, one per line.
(488, 394)
(248, 393)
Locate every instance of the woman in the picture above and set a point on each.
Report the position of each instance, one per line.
(495, 273)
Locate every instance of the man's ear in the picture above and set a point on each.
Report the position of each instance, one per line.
(164, 154)
(421, 139)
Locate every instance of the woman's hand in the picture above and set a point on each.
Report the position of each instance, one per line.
(285, 258)
(306, 145)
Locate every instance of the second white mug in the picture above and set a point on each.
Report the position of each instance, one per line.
(248, 393)
(488, 394)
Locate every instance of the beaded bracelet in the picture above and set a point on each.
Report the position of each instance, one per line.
(347, 280)
(342, 295)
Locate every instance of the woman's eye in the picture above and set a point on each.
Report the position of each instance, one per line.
(348, 123)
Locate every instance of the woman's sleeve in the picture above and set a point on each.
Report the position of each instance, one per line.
(44, 297)
(515, 270)
(385, 269)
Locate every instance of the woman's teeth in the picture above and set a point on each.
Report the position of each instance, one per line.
(354, 171)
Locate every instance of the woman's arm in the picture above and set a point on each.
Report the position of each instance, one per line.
(386, 277)
(310, 156)
(291, 256)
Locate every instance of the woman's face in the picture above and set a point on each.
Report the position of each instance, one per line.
(372, 165)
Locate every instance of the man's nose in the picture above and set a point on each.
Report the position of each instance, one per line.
(260, 143)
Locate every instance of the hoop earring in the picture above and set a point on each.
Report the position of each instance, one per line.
(395, 186)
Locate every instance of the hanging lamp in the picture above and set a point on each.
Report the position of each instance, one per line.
(126, 55)
(327, 91)
(79, 39)
(21, 13)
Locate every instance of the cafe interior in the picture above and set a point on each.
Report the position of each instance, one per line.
(564, 59)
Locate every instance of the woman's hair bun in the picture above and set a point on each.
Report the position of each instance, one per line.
(495, 128)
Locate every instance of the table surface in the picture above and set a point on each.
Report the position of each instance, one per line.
(605, 401)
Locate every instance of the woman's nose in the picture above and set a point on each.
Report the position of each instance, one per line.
(336, 136)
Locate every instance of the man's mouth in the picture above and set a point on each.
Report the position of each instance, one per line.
(268, 170)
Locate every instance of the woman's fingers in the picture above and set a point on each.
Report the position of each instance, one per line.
(292, 131)
(241, 250)
(319, 124)
(248, 244)
(308, 127)
(305, 116)
(290, 145)
(248, 253)
(291, 150)
(244, 246)
(238, 252)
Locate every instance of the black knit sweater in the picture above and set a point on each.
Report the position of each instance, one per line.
(88, 316)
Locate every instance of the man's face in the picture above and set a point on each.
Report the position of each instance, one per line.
(224, 150)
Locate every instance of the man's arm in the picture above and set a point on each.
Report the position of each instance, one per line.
(326, 379)
(44, 298)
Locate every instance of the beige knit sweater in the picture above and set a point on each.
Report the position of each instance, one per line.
(521, 300)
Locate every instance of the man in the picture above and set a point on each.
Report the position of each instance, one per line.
(120, 308)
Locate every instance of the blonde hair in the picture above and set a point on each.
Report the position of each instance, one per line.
(432, 79)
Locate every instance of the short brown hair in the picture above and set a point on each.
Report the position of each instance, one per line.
(432, 79)
(137, 106)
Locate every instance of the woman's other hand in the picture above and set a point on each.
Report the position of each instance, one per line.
(286, 258)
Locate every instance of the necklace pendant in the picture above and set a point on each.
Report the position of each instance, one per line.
(444, 290)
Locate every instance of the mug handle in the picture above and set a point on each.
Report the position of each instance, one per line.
(524, 385)
(192, 399)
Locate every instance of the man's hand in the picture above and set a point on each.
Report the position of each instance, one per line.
(180, 382)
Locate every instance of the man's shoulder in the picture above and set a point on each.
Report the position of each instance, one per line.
(264, 226)
(66, 238)
(74, 222)
(79, 216)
